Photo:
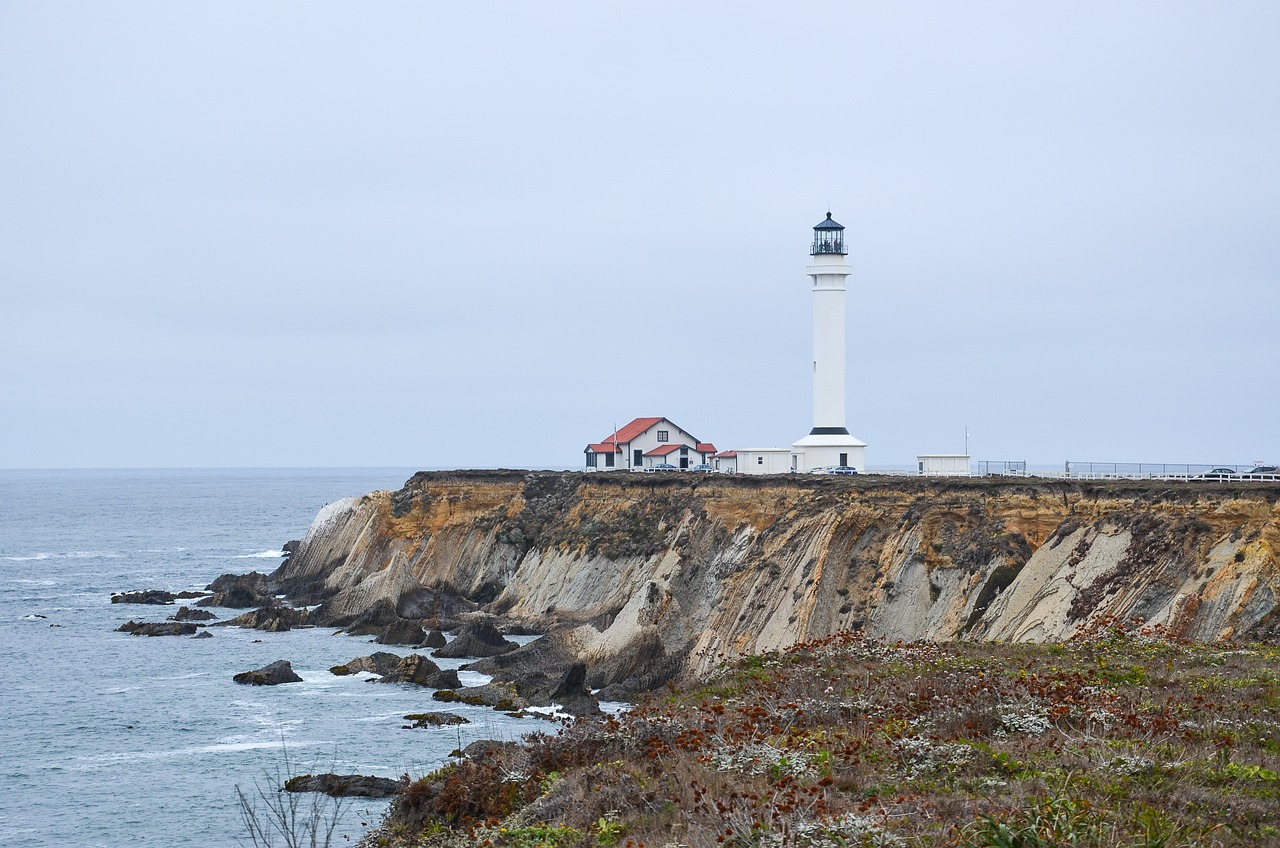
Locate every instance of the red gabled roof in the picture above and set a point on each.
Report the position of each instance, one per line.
(706, 447)
(729, 454)
(605, 448)
(629, 432)
(663, 450)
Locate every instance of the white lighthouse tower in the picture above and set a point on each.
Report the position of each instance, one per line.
(829, 442)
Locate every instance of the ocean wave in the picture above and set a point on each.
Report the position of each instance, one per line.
(261, 555)
(66, 555)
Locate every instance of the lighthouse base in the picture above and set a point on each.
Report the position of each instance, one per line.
(826, 449)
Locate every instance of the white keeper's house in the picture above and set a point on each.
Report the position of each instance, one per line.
(649, 442)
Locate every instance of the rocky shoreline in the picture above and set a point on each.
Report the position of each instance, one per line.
(532, 678)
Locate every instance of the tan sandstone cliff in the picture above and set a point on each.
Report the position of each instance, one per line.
(658, 576)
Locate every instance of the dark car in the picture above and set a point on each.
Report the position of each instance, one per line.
(662, 467)
(842, 469)
(1218, 474)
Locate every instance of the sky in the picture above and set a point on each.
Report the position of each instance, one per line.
(483, 235)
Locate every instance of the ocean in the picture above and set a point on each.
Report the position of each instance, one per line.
(109, 739)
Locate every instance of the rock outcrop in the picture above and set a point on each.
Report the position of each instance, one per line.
(272, 619)
(158, 597)
(238, 591)
(476, 639)
(157, 628)
(189, 614)
(272, 674)
(646, 578)
(345, 785)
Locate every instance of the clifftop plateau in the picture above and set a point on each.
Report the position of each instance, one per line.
(649, 578)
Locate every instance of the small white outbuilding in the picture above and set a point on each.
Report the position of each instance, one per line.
(943, 464)
(764, 460)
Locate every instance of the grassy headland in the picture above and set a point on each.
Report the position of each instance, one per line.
(1119, 737)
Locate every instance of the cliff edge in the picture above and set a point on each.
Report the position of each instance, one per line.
(649, 578)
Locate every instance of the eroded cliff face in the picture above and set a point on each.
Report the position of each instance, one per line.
(658, 576)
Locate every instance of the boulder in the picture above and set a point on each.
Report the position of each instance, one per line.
(189, 614)
(290, 547)
(402, 631)
(345, 785)
(157, 628)
(434, 639)
(280, 671)
(476, 639)
(238, 591)
(203, 634)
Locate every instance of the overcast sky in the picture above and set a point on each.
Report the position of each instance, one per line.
(482, 234)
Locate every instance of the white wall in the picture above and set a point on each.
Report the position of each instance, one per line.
(727, 464)
(821, 456)
(942, 465)
(648, 440)
(764, 460)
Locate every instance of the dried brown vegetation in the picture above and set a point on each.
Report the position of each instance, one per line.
(1120, 737)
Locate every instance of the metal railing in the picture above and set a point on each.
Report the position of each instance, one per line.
(1002, 467)
(1161, 471)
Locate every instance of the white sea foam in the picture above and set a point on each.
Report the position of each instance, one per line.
(261, 555)
(27, 558)
(474, 678)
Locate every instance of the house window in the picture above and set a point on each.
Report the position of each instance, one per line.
(684, 451)
(591, 460)
(608, 460)
(759, 460)
(637, 458)
(664, 435)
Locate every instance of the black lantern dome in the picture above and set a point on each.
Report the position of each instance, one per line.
(828, 237)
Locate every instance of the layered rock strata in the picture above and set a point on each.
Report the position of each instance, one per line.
(647, 578)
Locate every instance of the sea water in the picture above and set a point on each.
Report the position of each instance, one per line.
(109, 739)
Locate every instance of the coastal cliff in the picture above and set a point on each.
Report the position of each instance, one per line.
(649, 578)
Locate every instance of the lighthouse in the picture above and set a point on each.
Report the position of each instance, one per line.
(829, 442)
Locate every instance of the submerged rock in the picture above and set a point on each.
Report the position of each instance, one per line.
(345, 785)
(203, 634)
(157, 628)
(477, 639)
(273, 674)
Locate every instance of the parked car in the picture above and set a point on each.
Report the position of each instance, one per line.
(821, 469)
(665, 466)
(1269, 470)
(1218, 474)
(702, 469)
(842, 469)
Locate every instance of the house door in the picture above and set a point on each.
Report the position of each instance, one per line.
(684, 463)
(844, 459)
(638, 459)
